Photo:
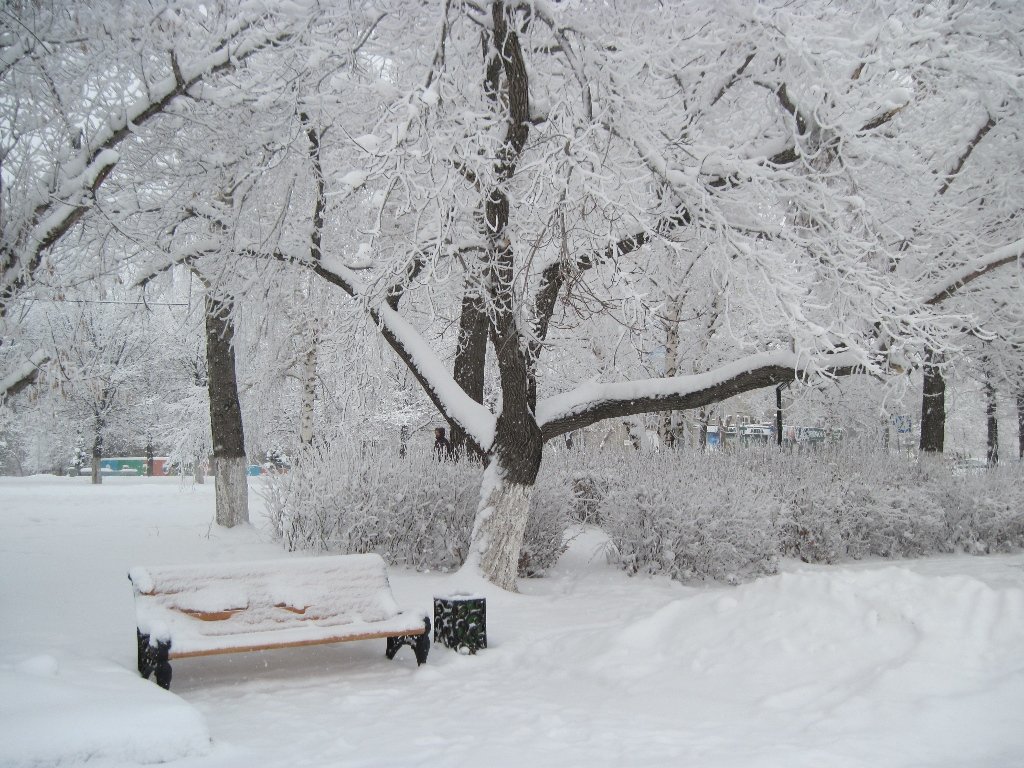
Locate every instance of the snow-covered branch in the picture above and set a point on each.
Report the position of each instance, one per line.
(23, 376)
(1000, 257)
(594, 401)
(58, 211)
(424, 364)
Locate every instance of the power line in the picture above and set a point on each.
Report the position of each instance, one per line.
(114, 301)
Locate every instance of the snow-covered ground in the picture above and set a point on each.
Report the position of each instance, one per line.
(873, 664)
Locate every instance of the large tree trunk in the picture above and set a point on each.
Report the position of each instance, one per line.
(933, 404)
(508, 483)
(992, 424)
(500, 526)
(229, 463)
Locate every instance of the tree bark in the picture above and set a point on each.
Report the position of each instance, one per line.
(933, 404)
(470, 362)
(228, 464)
(992, 424)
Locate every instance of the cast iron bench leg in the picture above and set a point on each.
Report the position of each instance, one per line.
(420, 644)
(154, 659)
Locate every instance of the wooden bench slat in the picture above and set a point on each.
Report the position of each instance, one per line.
(294, 644)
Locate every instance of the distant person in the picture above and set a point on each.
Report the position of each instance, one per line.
(442, 448)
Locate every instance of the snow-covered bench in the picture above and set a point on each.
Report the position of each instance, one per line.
(201, 610)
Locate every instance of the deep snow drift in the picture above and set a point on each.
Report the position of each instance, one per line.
(872, 664)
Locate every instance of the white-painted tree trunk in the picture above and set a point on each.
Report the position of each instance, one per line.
(499, 529)
(232, 490)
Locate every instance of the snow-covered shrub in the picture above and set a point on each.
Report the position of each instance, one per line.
(690, 517)
(872, 504)
(569, 482)
(413, 511)
(726, 515)
(982, 512)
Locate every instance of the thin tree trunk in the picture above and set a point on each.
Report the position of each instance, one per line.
(229, 463)
(1020, 425)
(992, 423)
(667, 428)
(403, 441)
(778, 416)
(933, 404)
(97, 452)
(306, 407)
(309, 380)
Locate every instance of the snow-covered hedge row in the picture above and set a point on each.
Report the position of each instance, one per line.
(723, 516)
(859, 505)
(413, 511)
(728, 516)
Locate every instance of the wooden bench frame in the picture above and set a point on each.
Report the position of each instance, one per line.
(155, 654)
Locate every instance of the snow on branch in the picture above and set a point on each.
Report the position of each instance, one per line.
(423, 362)
(54, 216)
(1000, 257)
(176, 257)
(23, 375)
(594, 401)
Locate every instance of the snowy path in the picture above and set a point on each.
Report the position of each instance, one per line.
(878, 664)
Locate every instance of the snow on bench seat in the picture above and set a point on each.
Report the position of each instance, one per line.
(201, 610)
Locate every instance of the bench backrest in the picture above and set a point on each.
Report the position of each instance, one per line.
(264, 594)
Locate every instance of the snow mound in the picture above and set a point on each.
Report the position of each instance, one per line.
(73, 712)
(842, 649)
(810, 626)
